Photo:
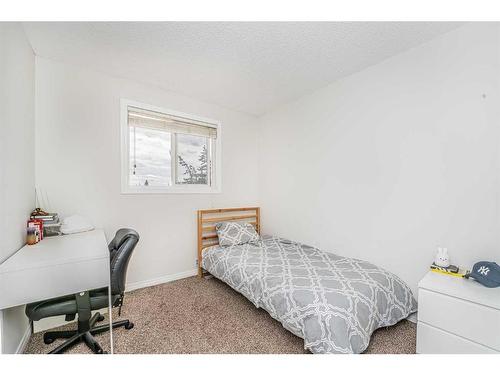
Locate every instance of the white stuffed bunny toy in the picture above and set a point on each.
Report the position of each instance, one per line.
(442, 257)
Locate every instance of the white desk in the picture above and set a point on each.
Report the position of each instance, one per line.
(55, 267)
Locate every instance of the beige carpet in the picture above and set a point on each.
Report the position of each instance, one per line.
(206, 316)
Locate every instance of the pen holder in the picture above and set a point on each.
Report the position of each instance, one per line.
(31, 236)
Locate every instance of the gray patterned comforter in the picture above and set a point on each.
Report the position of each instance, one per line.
(334, 303)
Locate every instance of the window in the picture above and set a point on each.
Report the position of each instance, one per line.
(168, 152)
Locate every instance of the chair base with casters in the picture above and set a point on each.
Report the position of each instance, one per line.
(82, 304)
(75, 336)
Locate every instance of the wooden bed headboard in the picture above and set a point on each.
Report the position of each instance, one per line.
(208, 218)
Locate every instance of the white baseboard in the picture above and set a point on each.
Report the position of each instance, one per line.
(24, 340)
(160, 280)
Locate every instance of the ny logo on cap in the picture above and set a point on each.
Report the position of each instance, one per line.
(483, 270)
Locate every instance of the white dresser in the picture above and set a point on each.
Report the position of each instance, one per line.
(457, 316)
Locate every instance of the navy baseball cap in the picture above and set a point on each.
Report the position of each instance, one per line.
(486, 273)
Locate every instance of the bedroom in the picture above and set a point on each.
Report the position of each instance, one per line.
(372, 141)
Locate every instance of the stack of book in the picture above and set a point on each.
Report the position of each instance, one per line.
(51, 223)
(46, 218)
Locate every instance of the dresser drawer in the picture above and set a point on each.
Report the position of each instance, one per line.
(471, 321)
(431, 340)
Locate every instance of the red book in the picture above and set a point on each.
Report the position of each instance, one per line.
(38, 224)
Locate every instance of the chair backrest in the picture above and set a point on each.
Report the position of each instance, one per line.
(120, 251)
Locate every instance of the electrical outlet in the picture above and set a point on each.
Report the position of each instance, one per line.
(196, 263)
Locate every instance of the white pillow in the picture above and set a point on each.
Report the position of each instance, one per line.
(234, 233)
(75, 224)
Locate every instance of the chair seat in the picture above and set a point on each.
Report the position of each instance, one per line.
(67, 305)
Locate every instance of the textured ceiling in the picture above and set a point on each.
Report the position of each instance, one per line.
(250, 67)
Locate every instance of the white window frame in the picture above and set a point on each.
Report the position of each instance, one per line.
(214, 168)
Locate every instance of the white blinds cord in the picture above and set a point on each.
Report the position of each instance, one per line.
(135, 163)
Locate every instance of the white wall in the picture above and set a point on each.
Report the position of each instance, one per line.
(17, 172)
(395, 160)
(78, 164)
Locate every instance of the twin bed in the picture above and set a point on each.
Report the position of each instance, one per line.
(334, 303)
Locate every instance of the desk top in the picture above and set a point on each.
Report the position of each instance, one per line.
(54, 267)
(58, 250)
(466, 289)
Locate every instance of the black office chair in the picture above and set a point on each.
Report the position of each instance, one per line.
(82, 304)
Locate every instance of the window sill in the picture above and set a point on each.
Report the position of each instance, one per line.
(174, 190)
